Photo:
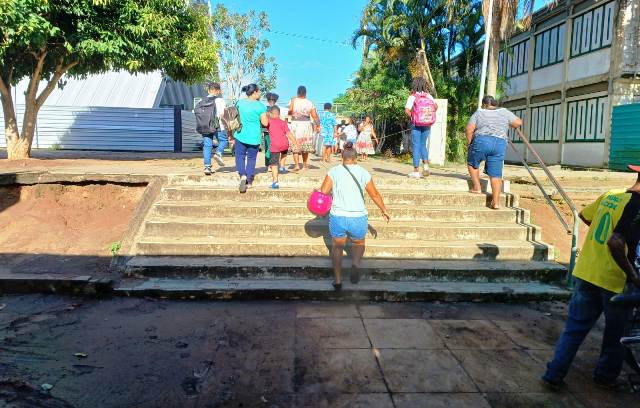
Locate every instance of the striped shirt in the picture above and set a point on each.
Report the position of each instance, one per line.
(492, 122)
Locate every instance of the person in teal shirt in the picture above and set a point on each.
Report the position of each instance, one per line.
(252, 116)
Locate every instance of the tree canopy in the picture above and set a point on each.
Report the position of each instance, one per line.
(405, 39)
(243, 51)
(43, 40)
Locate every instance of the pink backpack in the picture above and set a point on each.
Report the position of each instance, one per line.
(424, 110)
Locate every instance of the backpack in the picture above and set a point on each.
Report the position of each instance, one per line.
(206, 116)
(424, 110)
(231, 119)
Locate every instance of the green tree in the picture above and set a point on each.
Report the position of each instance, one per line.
(406, 29)
(243, 51)
(42, 40)
(379, 90)
(392, 56)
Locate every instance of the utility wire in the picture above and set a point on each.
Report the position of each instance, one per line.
(310, 37)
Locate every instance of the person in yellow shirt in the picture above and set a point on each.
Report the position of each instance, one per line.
(597, 278)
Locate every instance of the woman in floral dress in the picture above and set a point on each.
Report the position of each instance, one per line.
(303, 112)
(365, 145)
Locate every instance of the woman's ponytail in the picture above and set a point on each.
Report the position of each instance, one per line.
(250, 89)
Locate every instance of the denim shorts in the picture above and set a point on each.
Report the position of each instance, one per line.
(354, 227)
(488, 149)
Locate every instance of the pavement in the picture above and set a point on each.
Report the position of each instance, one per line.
(575, 181)
(160, 353)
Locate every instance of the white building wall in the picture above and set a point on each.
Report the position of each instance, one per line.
(517, 85)
(547, 77)
(594, 63)
(550, 153)
(584, 154)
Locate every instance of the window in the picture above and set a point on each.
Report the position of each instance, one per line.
(545, 123)
(549, 46)
(521, 113)
(592, 30)
(585, 119)
(516, 60)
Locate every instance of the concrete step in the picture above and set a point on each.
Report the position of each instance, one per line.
(290, 229)
(322, 290)
(391, 197)
(320, 268)
(311, 247)
(258, 211)
(439, 181)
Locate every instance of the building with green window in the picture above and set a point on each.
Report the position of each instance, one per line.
(579, 59)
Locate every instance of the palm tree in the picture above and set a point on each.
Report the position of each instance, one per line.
(505, 13)
(400, 28)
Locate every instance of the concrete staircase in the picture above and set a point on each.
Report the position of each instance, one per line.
(202, 238)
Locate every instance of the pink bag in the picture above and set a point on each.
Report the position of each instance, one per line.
(424, 110)
(319, 203)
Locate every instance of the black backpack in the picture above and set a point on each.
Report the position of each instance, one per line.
(207, 121)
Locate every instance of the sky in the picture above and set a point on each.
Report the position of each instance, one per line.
(324, 67)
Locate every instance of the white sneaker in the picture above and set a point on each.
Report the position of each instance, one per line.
(218, 159)
(425, 170)
(415, 174)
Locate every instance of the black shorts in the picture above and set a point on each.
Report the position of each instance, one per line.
(275, 158)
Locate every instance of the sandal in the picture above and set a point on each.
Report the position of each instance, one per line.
(337, 286)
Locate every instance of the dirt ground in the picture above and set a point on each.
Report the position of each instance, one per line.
(65, 219)
(552, 230)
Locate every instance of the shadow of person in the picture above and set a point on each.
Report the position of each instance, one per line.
(318, 227)
(489, 252)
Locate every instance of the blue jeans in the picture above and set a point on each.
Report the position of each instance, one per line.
(209, 141)
(491, 151)
(419, 138)
(223, 142)
(587, 304)
(246, 159)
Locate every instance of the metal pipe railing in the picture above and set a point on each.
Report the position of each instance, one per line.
(575, 230)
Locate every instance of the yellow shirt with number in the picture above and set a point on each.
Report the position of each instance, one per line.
(595, 264)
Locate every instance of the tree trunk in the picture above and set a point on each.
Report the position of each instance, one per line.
(494, 50)
(426, 68)
(18, 149)
(19, 144)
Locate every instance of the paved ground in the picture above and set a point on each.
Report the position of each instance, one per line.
(145, 353)
(590, 181)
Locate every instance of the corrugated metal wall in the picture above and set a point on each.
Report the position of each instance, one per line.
(190, 139)
(105, 128)
(625, 136)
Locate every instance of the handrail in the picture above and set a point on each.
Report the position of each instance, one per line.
(574, 210)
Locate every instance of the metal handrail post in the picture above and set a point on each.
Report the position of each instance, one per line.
(574, 210)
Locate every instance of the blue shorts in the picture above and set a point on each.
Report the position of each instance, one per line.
(354, 227)
(488, 149)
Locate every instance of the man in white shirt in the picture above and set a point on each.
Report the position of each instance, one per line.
(223, 138)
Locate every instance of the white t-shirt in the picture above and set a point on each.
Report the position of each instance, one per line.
(220, 107)
(351, 132)
(411, 100)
